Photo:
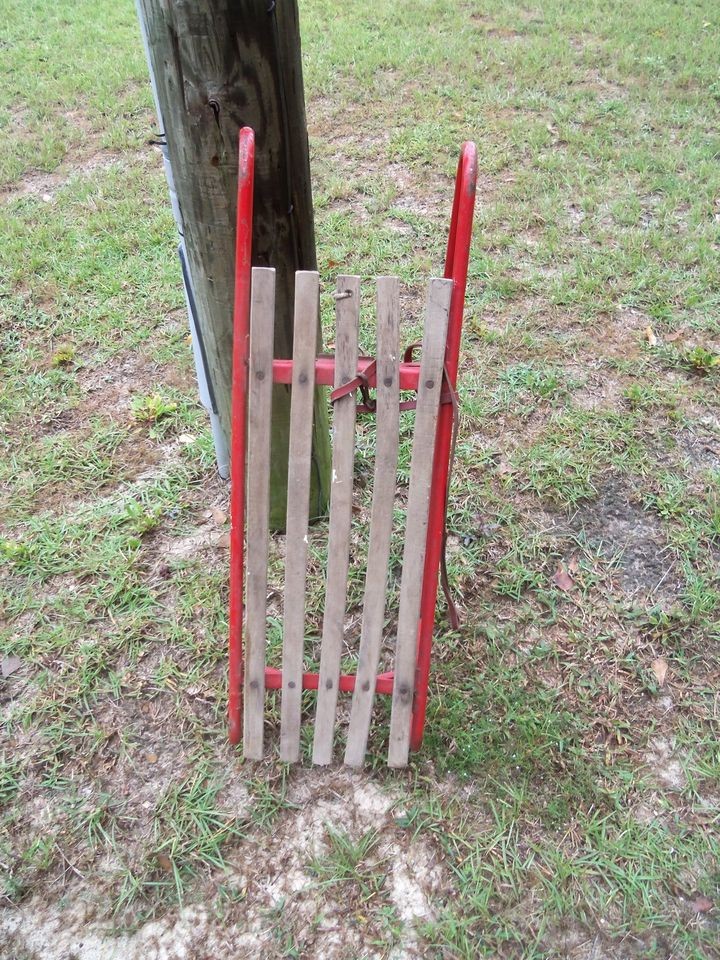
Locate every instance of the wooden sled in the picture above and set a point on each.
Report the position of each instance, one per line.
(433, 379)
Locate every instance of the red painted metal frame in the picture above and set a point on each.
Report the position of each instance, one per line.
(238, 441)
(456, 265)
(383, 681)
(456, 268)
(325, 372)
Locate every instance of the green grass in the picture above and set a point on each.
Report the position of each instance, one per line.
(567, 801)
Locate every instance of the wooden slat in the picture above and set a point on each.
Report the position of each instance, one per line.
(429, 389)
(296, 540)
(381, 521)
(262, 321)
(347, 318)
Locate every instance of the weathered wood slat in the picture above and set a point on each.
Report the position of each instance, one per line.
(262, 320)
(347, 319)
(296, 541)
(428, 397)
(381, 521)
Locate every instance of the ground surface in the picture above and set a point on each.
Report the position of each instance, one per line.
(567, 801)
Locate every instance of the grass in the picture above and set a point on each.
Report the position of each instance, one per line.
(565, 803)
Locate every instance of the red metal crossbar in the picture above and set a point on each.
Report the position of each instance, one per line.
(456, 266)
(325, 372)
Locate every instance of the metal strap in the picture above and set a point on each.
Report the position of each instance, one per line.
(362, 383)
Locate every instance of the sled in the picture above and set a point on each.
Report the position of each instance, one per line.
(361, 386)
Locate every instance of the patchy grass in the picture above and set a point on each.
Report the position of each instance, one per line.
(566, 801)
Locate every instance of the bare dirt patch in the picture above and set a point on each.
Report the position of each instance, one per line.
(701, 444)
(273, 884)
(45, 184)
(574, 942)
(665, 765)
(616, 525)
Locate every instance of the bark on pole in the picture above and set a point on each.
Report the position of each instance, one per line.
(219, 65)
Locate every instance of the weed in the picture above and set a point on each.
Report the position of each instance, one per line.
(152, 408)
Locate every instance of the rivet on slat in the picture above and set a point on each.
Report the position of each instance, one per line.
(291, 684)
(260, 374)
(302, 378)
(388, 381)
(366, 686)
(429, 384)
(328, 684)
(254, 684)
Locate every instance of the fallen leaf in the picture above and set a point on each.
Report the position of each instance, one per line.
(660, 668)
(151, 757)
(9, 665)
(702, 904)
(562, 578)
(672, 337)
(186, 438)
(219, 516)
(164, 862)
(649, 335)
(573, 566)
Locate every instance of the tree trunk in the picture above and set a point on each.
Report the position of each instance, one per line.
(219, 65)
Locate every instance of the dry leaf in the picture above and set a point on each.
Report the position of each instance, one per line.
(702, 904)
(649, 335)
(9, 665)
(672, 337)
(562, 578)
(573, 566)
(151, 757)
(660, 669)
(218, 516)
(164, 862)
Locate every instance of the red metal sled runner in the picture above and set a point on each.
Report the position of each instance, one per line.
(434, 379)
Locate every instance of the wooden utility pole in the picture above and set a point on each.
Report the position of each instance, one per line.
(219, 65)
